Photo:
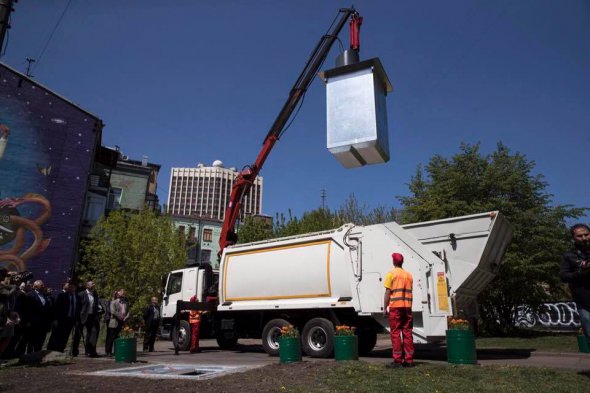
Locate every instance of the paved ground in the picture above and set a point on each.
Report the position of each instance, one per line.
(250, 353)
(266, 374)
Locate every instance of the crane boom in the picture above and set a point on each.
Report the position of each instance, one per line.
(248, 174)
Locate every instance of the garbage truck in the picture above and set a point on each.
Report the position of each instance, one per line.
(320, 280)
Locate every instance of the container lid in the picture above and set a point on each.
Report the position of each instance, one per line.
(374, 63)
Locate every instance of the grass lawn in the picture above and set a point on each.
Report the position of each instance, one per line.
(564, 342)
(366, 377)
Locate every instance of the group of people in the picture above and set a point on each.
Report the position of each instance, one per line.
(29, 314)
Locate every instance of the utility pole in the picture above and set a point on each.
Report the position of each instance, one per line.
(30, 61)
(323, 195)
(5, 10)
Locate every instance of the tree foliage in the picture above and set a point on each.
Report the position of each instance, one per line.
(254, 229)
(316, 220)
(132, 251)
(470, 182)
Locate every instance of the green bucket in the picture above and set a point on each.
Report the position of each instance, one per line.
(346, 348)
(583, 344)
(461, 347)
(289, 349)
(126, 350)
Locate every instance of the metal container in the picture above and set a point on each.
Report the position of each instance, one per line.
(357, 131)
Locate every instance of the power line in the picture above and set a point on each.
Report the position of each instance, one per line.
(52, 32)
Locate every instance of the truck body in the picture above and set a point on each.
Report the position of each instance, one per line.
(320, 280)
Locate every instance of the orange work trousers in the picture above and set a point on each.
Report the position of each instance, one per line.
(400, 325)
(195, 337)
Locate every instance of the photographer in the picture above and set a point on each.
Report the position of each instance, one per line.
(575, 270)
(8, 318)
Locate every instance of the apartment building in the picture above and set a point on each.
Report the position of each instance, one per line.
(204, 191)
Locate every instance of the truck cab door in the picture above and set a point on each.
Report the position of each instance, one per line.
(172, 294)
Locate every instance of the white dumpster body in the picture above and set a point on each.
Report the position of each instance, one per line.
(344, 269)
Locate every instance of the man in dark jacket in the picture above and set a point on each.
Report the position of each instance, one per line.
(151, 317)
(38, 317)
(65, 311)
(575, 270)
(89, 320)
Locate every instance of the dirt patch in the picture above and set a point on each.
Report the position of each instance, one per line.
(72, 378)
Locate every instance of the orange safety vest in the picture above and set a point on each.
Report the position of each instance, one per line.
(194, 316)
(401, 290)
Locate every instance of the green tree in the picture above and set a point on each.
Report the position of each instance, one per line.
(133, 251)
(320, 219)
(352, 211)
(255, 229)
(470, 182)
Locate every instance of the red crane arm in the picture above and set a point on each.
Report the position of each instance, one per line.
(246, 177)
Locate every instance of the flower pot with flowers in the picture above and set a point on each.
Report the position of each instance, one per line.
(126, 346)
(460, 342)
(583, 344)
(345, 343)
(289, 345)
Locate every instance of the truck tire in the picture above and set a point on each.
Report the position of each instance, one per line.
(317, 339)
(183, 336)
(271, 334)
(367, 341)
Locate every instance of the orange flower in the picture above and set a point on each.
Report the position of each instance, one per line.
(127, 332)
(457, 323)
(345, 330)
(289, 331)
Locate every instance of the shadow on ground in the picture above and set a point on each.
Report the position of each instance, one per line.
(439, 353)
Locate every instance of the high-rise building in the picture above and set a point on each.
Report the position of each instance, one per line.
(204, 192)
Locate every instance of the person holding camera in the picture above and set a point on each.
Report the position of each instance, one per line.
(575, 270)
(8, 318)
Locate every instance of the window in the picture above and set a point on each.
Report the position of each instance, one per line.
(94, 208)
(205, 255)
(174, 284)
(114, 200)
(207, 235)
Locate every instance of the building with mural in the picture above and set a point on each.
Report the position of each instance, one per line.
(47, 147)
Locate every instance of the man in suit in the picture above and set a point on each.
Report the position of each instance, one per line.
(65, 311)
(151, 317)
(88, 320)
(39, 317)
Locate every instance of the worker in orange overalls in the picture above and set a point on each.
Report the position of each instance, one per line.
(194, 319)
(398, 298)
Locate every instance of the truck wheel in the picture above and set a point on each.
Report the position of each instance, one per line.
(183, 336)
(271, 334)
(317, 338)
(226, 342)
(367, 341)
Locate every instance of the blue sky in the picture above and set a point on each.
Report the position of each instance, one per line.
(191, 81)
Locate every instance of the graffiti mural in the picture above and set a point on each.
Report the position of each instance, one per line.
(47, 146)
(563, 315)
